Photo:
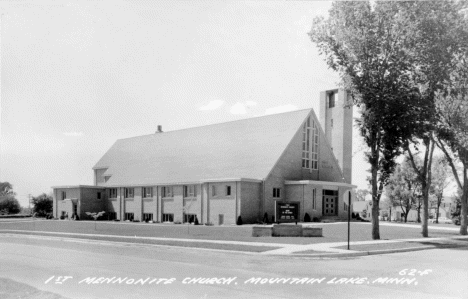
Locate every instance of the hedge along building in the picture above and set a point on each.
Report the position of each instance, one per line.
(219, 172)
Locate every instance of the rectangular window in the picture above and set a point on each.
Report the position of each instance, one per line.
(310, 145)
(190, 191)
(276, 192)
(166, 191)
(331, 100)
(168, 217)
(228, 190)
(213, 190)
(147, 217)
(113, 193)
(111, 215)
(314, 199)
(129, 192)
(64, 195)
(147, 192)
(189, 218)
(129, 216)
(330, 192)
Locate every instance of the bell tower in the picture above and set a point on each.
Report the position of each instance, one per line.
(336, 118)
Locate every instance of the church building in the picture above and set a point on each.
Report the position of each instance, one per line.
(216, 173)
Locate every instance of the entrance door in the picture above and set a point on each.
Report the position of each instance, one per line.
(330, 203)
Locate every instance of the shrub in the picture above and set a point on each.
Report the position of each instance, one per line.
(42, 204)
(196, 221)
(209, 224)
(177, 222)
(316, 219)
(306, 217)
(9, 205)
(239, 220)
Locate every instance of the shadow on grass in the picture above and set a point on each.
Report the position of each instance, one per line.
(458, 246)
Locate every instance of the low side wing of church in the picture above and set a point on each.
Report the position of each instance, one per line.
(218, 174)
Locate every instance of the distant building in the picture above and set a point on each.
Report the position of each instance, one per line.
(217, 173)
(399, 215)
(444, 209)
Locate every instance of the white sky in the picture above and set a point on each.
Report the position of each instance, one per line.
(78, 75)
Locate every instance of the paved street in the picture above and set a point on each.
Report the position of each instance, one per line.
(76, 269)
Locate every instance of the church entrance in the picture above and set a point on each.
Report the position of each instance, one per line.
(330, 203)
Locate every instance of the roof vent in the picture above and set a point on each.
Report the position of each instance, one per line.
(159, 129)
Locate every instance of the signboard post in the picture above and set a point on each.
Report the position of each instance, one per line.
(287, 211)
(349, 216)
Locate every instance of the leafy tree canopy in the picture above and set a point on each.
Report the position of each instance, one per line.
(43, 204)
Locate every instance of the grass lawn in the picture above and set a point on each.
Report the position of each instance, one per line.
(331, 232)
(231, 247)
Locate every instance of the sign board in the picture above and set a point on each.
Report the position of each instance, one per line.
(287, 211)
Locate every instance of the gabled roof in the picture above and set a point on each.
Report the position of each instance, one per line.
(247, 148)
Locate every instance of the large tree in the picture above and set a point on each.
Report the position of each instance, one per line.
(361, 194)
(403, 188)
(439, 182)
(452, 108)
(452, 135)
(368, 45)
(8, 203)
(438, 37)
(6, 189)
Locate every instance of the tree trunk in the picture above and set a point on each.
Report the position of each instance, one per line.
(419, 213)
(375, 202)
(438, 209)
(426, 184)
(464, 199)
(424, 176)
(425, 209)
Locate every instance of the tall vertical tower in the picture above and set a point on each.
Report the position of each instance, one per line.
(336, 118)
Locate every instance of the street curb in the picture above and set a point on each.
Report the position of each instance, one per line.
(372, 252)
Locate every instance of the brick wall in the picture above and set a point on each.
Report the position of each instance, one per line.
(89, 202)
(221, 203)
(250, 204)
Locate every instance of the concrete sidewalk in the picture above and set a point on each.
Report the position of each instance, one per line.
(335, 249)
